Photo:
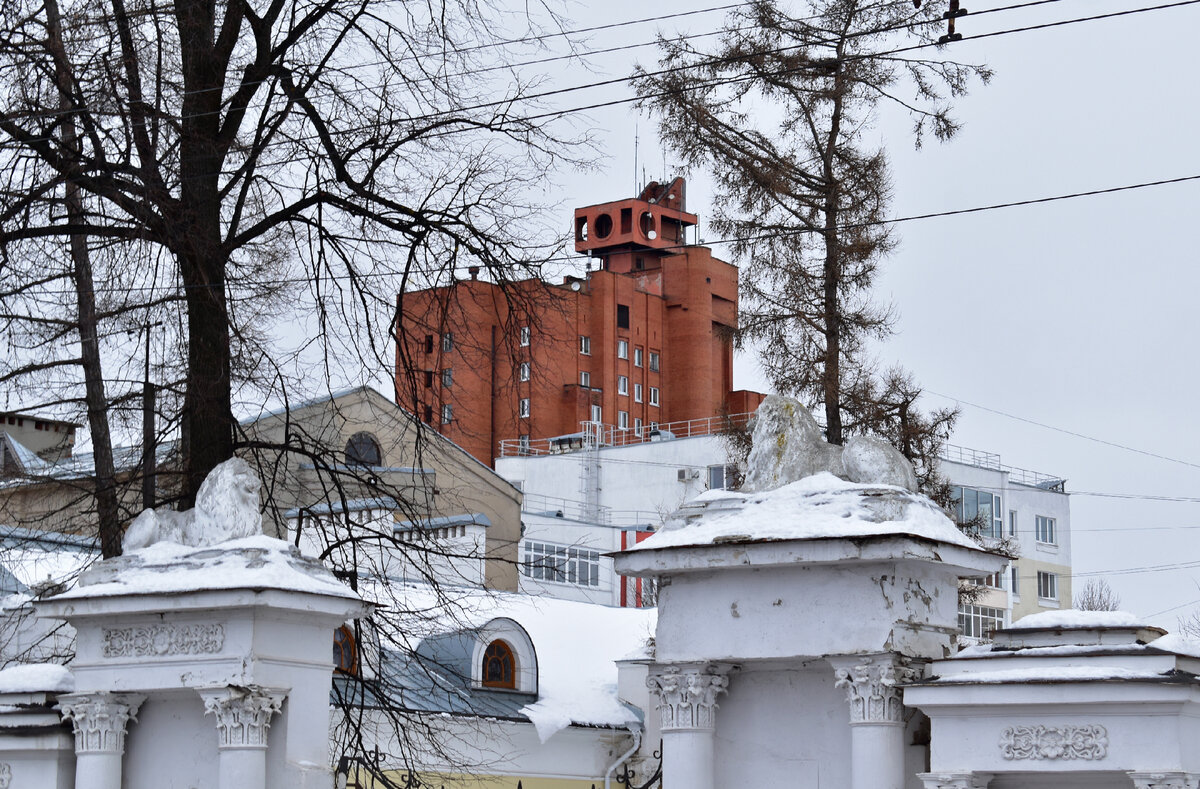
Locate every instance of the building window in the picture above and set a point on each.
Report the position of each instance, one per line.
(523, 408)
(585, 345)
(623, 420)
(637, 426)
(447, 377)
(993, 581)
(622, 385)
(1012, 523)
(637, 393)
(1047, 586)
(622, 349)
(1045, 530)
(638, 355)
(597, 414)
(523, 371)
(345, 651)
(428, 343)
(428, 414)
(363, 450)
(978, 621)
(654, 395)
(622, 316)
(524, 336)
(585, 379)
(447, 414)
(447, 342)
(721, 477)
(499, 666)
(978, 510)
(428, 378)
(545, 561)
(1016, 582)
(654, 361)
(523, 443)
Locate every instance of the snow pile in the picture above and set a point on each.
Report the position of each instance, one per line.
(1179, 644)
(36, 678)
(1074, 618)
(816, 507)
(259, 562)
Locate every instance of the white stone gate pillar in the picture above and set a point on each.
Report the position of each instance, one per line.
(957, 780)
(876, 718)
(687, 704)
(243, 719)
(100, 720)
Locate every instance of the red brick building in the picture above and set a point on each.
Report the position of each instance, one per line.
(642, 339)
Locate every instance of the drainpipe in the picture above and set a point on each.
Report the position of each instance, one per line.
(636, 731)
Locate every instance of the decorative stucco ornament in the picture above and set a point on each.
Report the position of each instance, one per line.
(226, 509)
(788, 445)
(1054, 742)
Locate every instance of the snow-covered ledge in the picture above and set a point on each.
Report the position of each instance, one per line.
(227, 635)
(36, 746)
(824, 585)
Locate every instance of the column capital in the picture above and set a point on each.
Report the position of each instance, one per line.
(243, 714)
(971, 780)
(1165, 780)
(870, 682)
(100, 719)
(687, 695)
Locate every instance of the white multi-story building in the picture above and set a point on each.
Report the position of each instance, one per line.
(602, 489)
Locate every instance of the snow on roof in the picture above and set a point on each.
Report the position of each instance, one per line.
(577, 646)
(817, 506)
(1048, 674)
(36, 678)
(258, 562)
(1074, 618)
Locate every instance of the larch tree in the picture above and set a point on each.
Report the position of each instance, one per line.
(780, 113)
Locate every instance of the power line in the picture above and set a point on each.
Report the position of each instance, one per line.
(1072, 432)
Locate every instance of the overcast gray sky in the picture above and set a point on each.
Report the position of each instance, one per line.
(1077, 315)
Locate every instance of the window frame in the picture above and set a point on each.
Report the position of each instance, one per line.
(447, 413)
(623, 385)
(502, 652)
(622, 349)
(639, 356)
(654, 396)
(655, 361)
(524, 408)
(448, 376)
(585, 379)
(1048, 582)
(623, 420)
(637, 393)
(1045, 526)
(523, 371)
(585, 345)
(349, 644)
(524, 336)
(447, 342)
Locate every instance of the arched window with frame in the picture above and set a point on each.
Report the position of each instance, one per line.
(363, 450)
(499, 666)
(345, 650)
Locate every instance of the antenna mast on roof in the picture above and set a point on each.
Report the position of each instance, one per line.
(635, 159)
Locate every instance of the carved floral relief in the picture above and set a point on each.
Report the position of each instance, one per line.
(153, 640)
(1054, 742)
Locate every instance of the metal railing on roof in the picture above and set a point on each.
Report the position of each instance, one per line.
(990, 460)
(594, 435)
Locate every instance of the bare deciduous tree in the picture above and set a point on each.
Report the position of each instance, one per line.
(1097, 595)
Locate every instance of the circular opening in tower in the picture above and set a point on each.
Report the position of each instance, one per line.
(603, 226)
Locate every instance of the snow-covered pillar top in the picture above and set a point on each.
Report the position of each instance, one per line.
(687, 705)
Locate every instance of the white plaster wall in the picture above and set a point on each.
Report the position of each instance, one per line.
(806, 611)
(173, 743)
(638, 482)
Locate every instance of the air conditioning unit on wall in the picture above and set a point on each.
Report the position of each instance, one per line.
(688, 474)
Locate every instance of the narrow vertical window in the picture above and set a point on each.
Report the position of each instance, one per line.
(524, 371)
(447, 342)
(637, 393)
(585, 345)
(447, 377)
(654, 395)
(622, 316)
(523, 408)
(622, 385)
(524, 336)
(638, 357)
(623, 420)
(622, 349)
(653, 361)
(428, 343)
(447, 414)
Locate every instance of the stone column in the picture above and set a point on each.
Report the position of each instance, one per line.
(243, 718)
(960, 780)
(99, 720)
(876, 718)
(1165, 780)
(687, 705)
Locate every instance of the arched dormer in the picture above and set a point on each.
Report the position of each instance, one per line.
(363, 450)
(504, 658)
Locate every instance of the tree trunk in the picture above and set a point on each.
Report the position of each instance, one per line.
(207, 420)
(107, 509)
(832, 270)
